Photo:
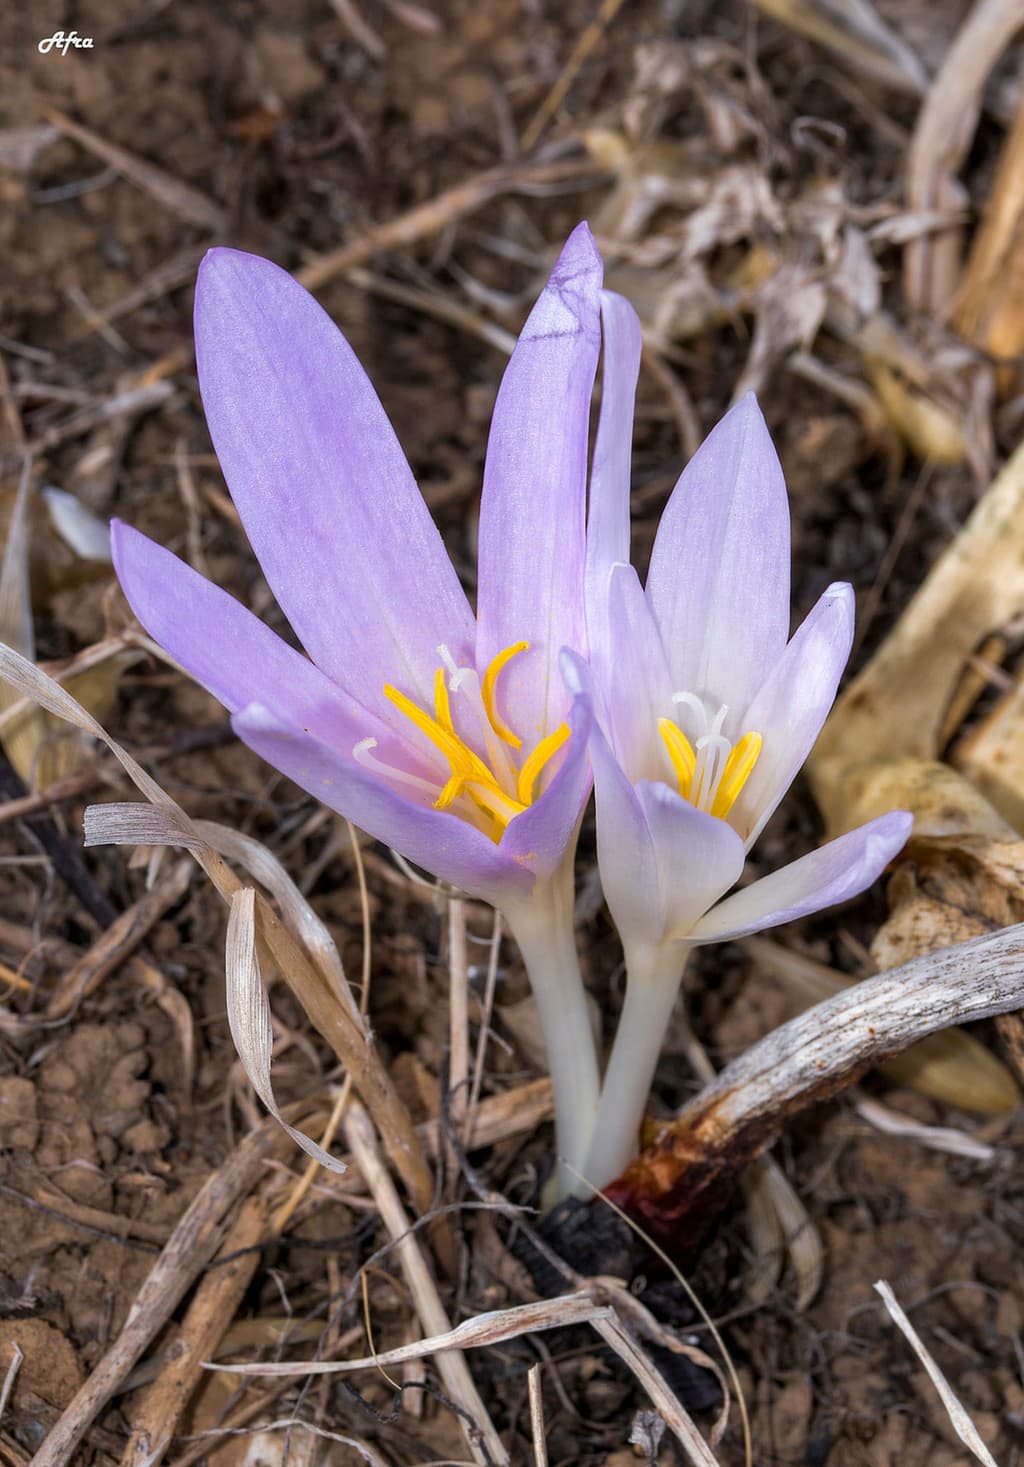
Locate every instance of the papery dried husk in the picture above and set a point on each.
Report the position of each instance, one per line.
(894, 711)
(930, 432)
(962, 873)
(989, 308)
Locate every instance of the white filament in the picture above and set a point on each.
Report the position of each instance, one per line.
(466, 681)
(711, 747)
(361, 754)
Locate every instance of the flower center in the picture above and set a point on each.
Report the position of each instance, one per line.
(488, 790)
(711, 771)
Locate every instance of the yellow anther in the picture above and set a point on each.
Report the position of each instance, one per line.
(442, 705)
(462, 759)
(535, 762)
(451, 792)
(492, 799)
(469, 775)
(488, 689)
(681, 752)
(738, 768)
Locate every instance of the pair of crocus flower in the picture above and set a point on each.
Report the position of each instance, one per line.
(470, 744)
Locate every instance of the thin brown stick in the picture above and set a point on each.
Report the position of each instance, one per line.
(482, 1439)
(120, 939)
(209, 1315)
(53, 794)
(540, 1447)
(589, 38)
(188, 1251)
(432, 216)
(678, 1419)
(181, 198)
(458, 1021)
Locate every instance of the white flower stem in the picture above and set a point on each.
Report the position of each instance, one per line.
(543, 928)
(653, 976)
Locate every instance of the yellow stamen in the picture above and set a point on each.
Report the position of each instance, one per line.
(488, 689)
(738, 768)
(462, 759)
(451, 792)
(442, 705)
(470, 775)
(489, 798)
(492, 799)
(535, 762)
(681, 752)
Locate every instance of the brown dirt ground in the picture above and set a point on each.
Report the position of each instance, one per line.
(305, 140)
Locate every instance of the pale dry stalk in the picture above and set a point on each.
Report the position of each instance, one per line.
(482, 1438)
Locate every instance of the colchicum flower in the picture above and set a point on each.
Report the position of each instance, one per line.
(450, 737)
(704, 712)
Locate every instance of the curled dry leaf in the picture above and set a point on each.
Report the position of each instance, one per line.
(249, 1017)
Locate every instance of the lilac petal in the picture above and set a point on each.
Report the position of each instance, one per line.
(699, 857)
(539, 839)
(793, 703)
(625, 850)
(719, 577)
(531, 547)
(225, 647)
(323, 488)
(434, 839)
(608, 514)
(836, 872)
(634, 682)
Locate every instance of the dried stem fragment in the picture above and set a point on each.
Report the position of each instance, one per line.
(671, 1188)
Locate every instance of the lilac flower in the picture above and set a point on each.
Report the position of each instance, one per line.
(705, 711)
(448, 736)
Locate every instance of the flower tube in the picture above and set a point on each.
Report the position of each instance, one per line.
(449, 737)
(705, 710)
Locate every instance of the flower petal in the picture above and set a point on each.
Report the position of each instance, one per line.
(699, 857)
(437, 841)
(608, 513)
(793, 703)
(832, 874)
(625, 850)
(323, 488)
(223, 646)
(531, 550)
(540, 838)
(633, 680)
(719, 577)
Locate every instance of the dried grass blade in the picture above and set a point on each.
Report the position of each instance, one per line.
(943, 132)
(249, 1017)
(300, 916)
(481, 1332)
(962, 1423)
(676, 1416)
(854, 31)
(15, 603)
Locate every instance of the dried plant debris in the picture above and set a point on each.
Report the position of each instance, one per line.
(818, 200)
